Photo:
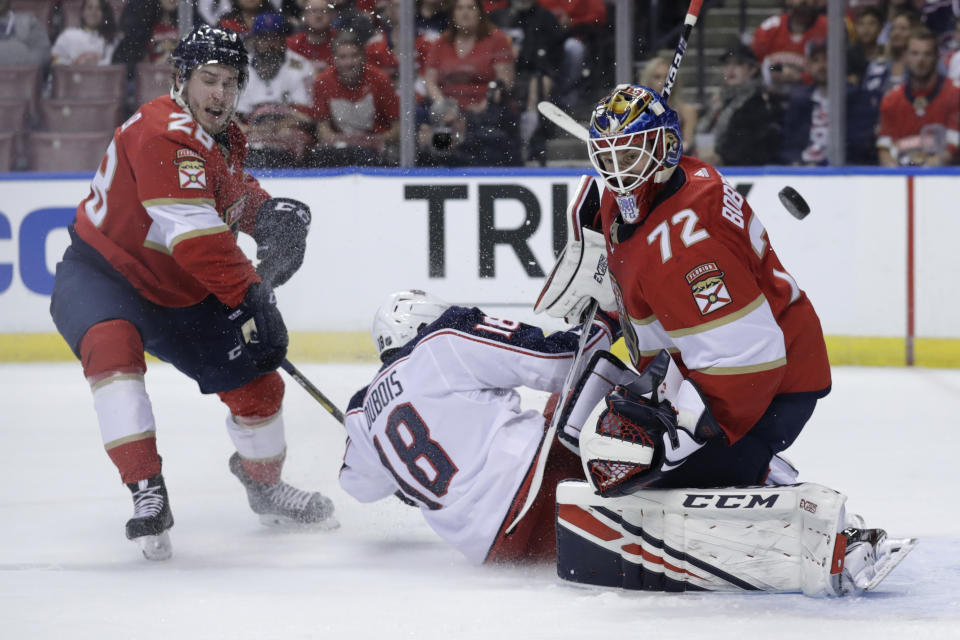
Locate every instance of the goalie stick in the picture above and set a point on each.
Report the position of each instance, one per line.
(551, 431)
(568, 124)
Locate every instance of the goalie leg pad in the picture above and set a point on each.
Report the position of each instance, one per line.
(740, 539)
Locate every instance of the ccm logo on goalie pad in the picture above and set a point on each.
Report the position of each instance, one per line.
(728, 501)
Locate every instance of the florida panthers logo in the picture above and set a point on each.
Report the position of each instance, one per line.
(708, 288)
(191, 169)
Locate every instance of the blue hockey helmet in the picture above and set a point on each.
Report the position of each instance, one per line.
(211, 45)
(634, 135)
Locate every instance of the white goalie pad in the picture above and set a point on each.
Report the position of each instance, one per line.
(772, 539)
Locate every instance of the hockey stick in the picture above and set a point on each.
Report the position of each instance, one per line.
(312, 390)
(559, 117)
(693, 12)
(551, 431)
(567, 123)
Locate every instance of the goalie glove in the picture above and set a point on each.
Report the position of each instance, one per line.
(650, 426)
(580, 275)
(281, 237)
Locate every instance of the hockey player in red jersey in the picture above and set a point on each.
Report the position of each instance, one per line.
(692, 272)
(154, 266)
(732, 363)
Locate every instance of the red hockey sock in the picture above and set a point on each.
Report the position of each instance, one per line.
(137, 460)
(264, 471)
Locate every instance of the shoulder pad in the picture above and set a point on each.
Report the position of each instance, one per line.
(357, 400)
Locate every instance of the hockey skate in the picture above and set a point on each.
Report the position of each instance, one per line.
(280, 505)
(151, 518)
(869, 558)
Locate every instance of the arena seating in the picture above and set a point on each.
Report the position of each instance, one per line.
(55, 151)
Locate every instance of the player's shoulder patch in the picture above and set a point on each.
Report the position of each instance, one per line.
(191, 168)
(708, 288)
(702, 172)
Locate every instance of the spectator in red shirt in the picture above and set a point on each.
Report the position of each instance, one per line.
(380, 47)
(920, 119)
(313, 43)
(241, 18)
(780, 43)
(356, 108)
(471, 54)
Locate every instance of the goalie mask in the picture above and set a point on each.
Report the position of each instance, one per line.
(634, 136)
(401, 317)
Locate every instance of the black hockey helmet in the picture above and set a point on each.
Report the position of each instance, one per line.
(211, 45)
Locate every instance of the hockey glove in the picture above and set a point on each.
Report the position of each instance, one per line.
(281, 236)
(637, 440)
(579, 275)
(261, 327)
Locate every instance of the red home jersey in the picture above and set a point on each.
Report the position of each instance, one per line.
(775, 44)
(321, 55)
(466, 78)
(370, 107)
(699, 278)
(162, 205)
(915, 125)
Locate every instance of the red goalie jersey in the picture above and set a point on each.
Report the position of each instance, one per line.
(164, 203)
(699, 278)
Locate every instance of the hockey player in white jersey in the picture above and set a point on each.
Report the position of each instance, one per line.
(441, 423)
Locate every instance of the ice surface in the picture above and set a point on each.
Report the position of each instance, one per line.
(886, 437)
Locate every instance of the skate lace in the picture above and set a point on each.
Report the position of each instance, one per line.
(287, 497)
(147, 502)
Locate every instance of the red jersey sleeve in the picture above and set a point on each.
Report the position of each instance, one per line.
(178, 183)
(764, 36)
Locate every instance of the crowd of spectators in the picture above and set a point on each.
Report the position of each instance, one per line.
(324, 75)
(902, 106)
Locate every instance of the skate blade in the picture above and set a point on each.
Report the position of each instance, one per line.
(289, 524)
(894, 551)
(156, 547)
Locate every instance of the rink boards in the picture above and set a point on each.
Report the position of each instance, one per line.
(875, 255)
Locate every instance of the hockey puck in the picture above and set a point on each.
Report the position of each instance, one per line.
(794, 203)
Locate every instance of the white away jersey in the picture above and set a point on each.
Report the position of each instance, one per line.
(442, 422)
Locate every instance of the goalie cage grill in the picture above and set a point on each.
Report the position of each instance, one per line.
(607, 474)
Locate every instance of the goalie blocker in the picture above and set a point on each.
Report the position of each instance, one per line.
(774, 539)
